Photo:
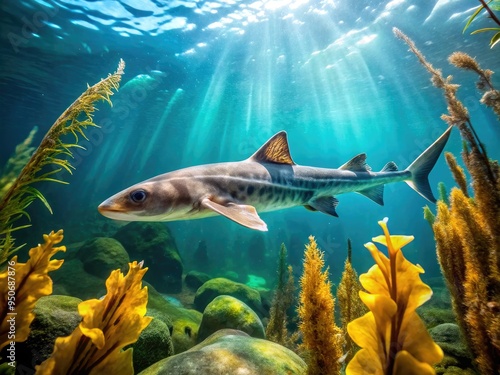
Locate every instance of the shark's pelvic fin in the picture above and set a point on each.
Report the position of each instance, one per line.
(275, 150)
(242, 214)
(422, 166)
(356, 164)
(375, 193)
(324, 204)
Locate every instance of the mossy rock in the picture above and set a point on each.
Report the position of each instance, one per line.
(72, 279)
(229, 312)
(102, 255)
(221, 286)
(448, 337)
(154, 243)
(231, 352)
(55, 316)
(195, 279)
(434, 316)
(153, 345)
(183, 323)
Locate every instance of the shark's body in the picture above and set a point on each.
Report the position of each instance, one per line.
(269, 180)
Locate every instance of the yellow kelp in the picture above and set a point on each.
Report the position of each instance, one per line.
(22, 284)
(322, 339)
(392, 336)
(108, 325)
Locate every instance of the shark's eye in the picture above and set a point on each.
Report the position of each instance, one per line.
(138, 196)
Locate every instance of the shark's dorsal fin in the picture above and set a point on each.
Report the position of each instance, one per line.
(275, 150)
(357, 164)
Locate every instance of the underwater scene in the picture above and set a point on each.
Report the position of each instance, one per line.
(178, 179)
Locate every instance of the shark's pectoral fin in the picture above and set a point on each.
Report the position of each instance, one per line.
(324, 204)
(242, 214)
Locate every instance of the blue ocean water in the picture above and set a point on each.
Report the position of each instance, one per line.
(210, 81)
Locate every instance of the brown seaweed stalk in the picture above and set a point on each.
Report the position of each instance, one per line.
(467, 230)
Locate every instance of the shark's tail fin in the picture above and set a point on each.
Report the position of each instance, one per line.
(422, 166)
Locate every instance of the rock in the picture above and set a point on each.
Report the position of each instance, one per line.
(231, 352)
(434, 316)
(229, 312)
(183, 323)
(102, 255)
(195, 279)
(55, 316)
(153, 345)
(71, 279)
(448, 337)
(447, 332)
(221, 286)
(153, 243)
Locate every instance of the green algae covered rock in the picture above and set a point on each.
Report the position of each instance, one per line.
(183, 323)
(55, 316)
(221, 286)
(154, 243)
(195, 279)
(231, 352)
(153, 344)
(102, 255)
(456, 354)
(73, 280)
(229, 312)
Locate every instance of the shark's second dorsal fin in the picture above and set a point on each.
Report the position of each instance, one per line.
(275, 150)
(357, 164)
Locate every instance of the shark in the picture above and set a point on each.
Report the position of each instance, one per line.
(268, 180)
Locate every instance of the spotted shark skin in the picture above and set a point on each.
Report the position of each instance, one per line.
(267, 181)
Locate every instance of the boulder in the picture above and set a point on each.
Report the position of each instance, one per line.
(102, 255)
(55, 316)
(183, 323)
(72, 279)
(231, 352)
(195, 279)
(153, 243)
(456, 354)
(229, 312)
(153, 345)
(221, 286)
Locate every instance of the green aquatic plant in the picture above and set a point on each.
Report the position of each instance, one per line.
(50, 158)
(489, 7)
(283, 299)
(16, 162)
(350, 304)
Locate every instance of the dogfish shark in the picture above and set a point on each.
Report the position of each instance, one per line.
(269, 180)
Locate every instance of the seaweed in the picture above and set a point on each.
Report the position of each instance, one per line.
(392, 336)
(350, 304)
(50, 158)
(283, 299)
(467, 229)
(322, 339)
(108, 325)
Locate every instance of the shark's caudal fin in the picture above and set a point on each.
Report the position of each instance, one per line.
(422, 166)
